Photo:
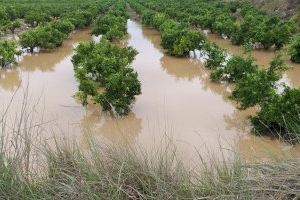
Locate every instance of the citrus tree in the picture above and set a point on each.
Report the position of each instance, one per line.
(8, 51)
(105, 65)
(294, 50)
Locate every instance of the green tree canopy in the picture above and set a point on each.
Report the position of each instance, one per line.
(280, 116)
(106, 65)
(294, 49)
(64, 26)
(8, 51)
(29, 39)
(260, 86)
(237, 68)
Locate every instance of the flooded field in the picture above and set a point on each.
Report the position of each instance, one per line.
(178, 100)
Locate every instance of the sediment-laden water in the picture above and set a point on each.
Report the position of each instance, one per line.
(178, 101)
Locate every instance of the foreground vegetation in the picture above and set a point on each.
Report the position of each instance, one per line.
(125, 173)
(31, 168)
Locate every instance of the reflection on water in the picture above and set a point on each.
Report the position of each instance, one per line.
(178, 99)
(262, 58)
(179, 69)
(254, 148)
(50, 80)
(46, 61)
(10, 79)
(112, 128)
(237, 121)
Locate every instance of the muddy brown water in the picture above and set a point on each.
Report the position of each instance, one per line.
(178, 102)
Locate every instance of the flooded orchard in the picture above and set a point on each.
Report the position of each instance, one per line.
(178, 101)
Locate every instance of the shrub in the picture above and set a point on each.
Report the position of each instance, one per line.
(216, 56)
(236, 69)
(259, 87)
(120, 91)
(64, 26)
(280, 116)
(294, 49)
(48, 37)
(106, 65)
(29, 39)
(111, 26)
(8, 50)
(189, 40)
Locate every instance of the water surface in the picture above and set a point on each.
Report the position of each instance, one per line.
(178, 102)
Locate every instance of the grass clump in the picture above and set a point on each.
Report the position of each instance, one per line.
(107, 172)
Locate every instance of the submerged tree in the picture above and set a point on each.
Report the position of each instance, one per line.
(255, 88)
(120, 91)
(170, 31)
(8, 51)
(280, 116)
(29, 39)
(64, 26)
(216, 56)
(111, 25)
(188, 40)
(46, 37)
(49, 37)
(259, 87)
(106, 65)
(236, 68)
(279, 112)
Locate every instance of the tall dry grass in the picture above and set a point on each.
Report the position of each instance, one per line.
(31, 168)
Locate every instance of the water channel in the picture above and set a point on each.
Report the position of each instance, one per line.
(178, 101)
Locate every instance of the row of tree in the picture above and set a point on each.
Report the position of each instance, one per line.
(97, 66)
(239, 21)
(47, 36)
(15, 13)
(279, 105)
(51, 35)
(49, 28)
(103, 69)
(176, 37)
